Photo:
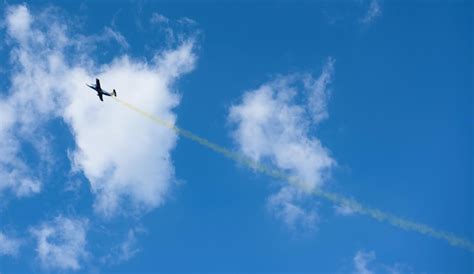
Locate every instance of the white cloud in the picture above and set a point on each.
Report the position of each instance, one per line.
(365, 263)
(18, 20)
(157, 18)
(117, 36)
(14, 171)
(361, 261)
(125, 157)
(14, 174)
(186, 21)
(127, 249)
(319, 92)
(373, 12)
(272, 126)
(284, 205)
(61, 243)
(344, 210)
(26, 187)
(172, 32)
(9, 245)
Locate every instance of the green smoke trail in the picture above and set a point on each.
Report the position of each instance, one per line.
(330, 196)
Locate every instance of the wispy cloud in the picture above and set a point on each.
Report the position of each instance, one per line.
(15, 175)
(344, 210)
(186, 21)
(174, 30)
(319, 91)
(361, 261)
(126, 249)
(61, 243)
(365, 263)
(117, 36)
(374, 10)
(157, 18)
(9, 245)
(285, 205)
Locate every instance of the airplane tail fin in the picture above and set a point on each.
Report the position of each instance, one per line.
(115, 93)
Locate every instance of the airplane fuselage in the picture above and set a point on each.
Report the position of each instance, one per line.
(100, 91)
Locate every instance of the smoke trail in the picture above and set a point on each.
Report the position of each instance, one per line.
(330, 196)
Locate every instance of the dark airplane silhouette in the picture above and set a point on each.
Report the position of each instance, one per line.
(100, 91)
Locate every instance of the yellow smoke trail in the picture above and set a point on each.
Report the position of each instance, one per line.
(331, 196)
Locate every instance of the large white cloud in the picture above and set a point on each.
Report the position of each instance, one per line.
(121, 153)
(270, 125)
(61, 243)
(125, 157)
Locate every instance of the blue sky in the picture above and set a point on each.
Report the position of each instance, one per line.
(368, 99)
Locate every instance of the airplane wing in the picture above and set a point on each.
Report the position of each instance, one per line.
(100, 97)
(97, 84)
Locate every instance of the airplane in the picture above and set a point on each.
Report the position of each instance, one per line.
(100, 91)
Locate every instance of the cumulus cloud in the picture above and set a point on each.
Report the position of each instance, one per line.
(270, 125)
(373, 12)
(61, 243)
(125, 158)
(9, 245)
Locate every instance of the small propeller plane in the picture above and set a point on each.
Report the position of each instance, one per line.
(100, 91)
